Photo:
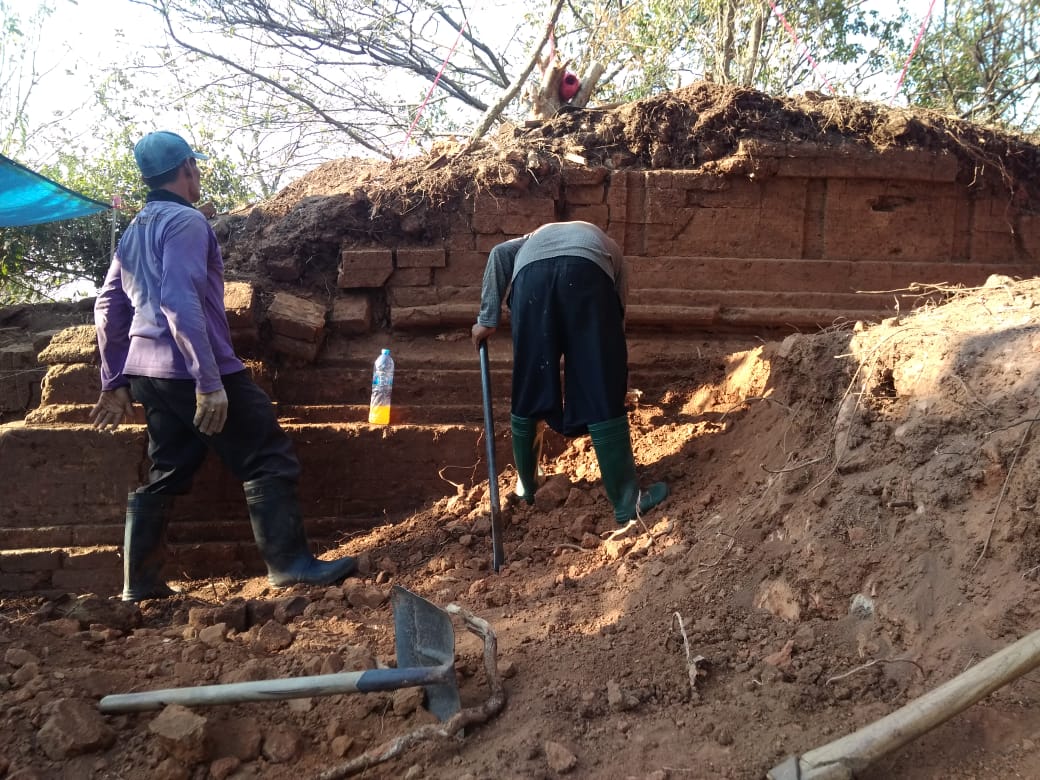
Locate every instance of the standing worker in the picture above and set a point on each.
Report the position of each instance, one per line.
(567, 299)
(165, 342)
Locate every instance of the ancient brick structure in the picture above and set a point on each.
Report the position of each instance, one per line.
(793, 237)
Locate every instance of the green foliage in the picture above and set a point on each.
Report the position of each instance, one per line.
(981, 61)
(657, 45)
(19, 38)
(38, 260)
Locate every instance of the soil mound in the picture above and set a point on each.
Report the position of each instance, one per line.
(697, 128)
(853, 521)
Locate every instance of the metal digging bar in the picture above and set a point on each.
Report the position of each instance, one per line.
(425, 644)
(497, 554)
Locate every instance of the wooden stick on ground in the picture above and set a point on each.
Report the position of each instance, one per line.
(846, 757)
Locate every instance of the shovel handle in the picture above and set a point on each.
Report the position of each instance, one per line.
(852, 754)
(292, 688)
(497, 554)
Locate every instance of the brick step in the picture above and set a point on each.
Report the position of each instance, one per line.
(730, 318)
(231, 526)
(99, 569)
(318, 413)
(349, 470)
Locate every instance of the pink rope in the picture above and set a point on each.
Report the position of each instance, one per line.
(794, 37)
(434, 84)
(913, 50)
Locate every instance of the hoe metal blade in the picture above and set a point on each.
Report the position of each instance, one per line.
(425, 637)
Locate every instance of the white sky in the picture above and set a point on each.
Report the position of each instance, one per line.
(95, 34)
(88, 36)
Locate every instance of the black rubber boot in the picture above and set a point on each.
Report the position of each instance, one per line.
(278, 530)
(612, 441)
(527, 451)
(144, 549)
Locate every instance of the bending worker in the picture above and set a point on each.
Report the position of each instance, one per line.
(567, 299)
(165, 342)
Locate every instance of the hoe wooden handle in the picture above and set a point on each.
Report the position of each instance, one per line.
(846, 757)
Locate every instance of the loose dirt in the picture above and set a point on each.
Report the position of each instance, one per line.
(853, 521)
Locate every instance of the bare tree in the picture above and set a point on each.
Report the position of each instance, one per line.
(353, 66)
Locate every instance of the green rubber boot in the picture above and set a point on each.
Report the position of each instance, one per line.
(527, 451)
(612, 441)
(144, 548)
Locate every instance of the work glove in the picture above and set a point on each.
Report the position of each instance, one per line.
(211, 411)
(112, 408)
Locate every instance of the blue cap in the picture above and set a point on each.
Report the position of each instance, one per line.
(162, 151)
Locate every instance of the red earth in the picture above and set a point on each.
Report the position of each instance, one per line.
(853, 521)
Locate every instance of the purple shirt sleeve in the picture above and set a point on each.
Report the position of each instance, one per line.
(183, 289)
(113, 314)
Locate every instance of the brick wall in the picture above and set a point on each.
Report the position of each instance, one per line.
(796, 237)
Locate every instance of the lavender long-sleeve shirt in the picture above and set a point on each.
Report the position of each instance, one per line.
(160, 312)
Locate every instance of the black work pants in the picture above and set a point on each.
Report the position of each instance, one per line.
(567, 307)
(252, 443)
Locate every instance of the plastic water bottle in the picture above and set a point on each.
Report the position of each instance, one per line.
(382, 387)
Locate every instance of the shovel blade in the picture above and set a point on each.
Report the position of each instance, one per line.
(425, 636)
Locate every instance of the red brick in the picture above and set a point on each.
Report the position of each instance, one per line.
(77, 344)
(463, 268)
(992, 247)
(307, 351)
(665, 206)
(421, 258)
(412, 296)
(488, 241)
(43, 536)
(23, 583)
(584, 195)
(494, 214)
(635, 200)
(16, 393)
(91, 559)
(580, 175)
(411, 277)
(96, 535)
(102, 582)
(71, 383)
(351, 313)
(17, 357)
(1029, 233)
(894, 164)
(617, 231)
(240, 304)
(597, 215)
(869, 220)
(245, 341)
(30, 560)
(296, 318)
(460, 233)
(361, 268)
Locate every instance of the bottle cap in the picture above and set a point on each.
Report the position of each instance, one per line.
(386, 351)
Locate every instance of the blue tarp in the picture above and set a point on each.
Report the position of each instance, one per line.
(27, 198)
